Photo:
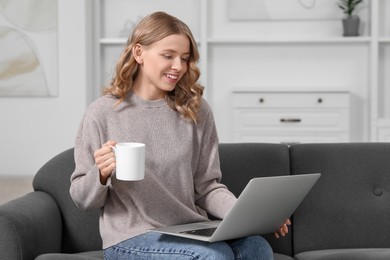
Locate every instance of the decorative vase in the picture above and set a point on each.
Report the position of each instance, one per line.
(351, 26)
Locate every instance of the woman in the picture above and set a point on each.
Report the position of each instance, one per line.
(154, 98)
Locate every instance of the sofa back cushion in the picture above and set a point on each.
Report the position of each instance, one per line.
(241, 162)
(80, 228)
(349, 205)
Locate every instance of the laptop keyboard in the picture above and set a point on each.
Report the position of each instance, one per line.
(206, 232)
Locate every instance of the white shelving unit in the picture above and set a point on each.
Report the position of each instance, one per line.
(270, 53)
(380, 68)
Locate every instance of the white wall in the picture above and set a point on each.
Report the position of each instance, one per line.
(33, 130)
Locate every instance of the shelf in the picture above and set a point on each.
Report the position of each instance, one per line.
(297, 89)
(384, 40)
(291, 40)
(119, 41)
(114, 41)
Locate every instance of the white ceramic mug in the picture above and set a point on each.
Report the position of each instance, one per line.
(130, 161)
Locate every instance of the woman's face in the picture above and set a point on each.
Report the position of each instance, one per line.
(162, 65)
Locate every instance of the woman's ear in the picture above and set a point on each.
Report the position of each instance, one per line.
(137, 53)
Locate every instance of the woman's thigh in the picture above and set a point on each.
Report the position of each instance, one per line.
(159, 246)
(252, 247)
(153, 245)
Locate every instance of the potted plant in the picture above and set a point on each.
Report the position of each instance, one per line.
(351, 22)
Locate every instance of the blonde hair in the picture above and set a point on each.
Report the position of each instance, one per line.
(186, 97)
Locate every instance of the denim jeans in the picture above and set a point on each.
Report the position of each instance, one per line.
(153, 245)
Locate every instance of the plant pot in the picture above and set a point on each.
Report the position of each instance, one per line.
(351, 26)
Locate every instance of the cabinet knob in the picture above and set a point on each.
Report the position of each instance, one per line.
(319, 100)
(290, 120)
(261, 100)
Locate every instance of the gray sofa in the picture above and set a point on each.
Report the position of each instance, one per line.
(345, 216)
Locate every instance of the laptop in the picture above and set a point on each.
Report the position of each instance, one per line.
(262, 208)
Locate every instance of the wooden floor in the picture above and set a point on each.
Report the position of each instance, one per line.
(14, 187)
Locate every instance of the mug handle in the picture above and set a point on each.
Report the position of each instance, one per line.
(113, 149)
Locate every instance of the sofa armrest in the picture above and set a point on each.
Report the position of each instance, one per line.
(30, 226)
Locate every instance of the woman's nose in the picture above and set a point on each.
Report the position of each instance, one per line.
(177, 64)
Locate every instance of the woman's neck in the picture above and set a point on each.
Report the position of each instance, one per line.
(147, 92)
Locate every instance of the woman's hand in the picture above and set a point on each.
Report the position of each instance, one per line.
(105, 160)
(283, 230)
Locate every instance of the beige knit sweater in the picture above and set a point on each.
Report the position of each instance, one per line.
(182, 170)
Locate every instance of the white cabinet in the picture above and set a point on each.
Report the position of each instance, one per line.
(290, 49)
(384, 134)
(290, 116)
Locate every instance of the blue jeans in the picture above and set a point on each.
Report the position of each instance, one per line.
(153, 245)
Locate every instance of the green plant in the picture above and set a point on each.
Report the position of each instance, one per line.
(349, 6)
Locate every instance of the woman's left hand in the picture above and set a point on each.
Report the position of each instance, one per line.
(283, 230)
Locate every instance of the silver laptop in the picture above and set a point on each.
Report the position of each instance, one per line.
(262, 208)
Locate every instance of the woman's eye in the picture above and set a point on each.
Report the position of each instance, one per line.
(186, 59)
(167, 56)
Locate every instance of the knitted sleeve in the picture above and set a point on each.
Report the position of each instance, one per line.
(210, 194)
(86, 190)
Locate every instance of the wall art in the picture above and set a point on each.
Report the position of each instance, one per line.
(28, 48)
(283, 10)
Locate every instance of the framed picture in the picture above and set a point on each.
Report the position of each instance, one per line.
(28, 48)
(292, 10)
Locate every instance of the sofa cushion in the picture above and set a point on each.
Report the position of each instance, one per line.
(80, 228)
(29, 226)
(241, 162)
(282, 257)
(349, 205)
(346, 254)
(92, 255)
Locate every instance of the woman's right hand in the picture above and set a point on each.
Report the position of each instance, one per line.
(105, 160)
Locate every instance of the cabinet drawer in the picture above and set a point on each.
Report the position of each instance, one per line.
(247, 120)
(384, 134)
(291, 100)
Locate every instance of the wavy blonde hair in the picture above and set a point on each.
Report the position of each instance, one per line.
(186, 97)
